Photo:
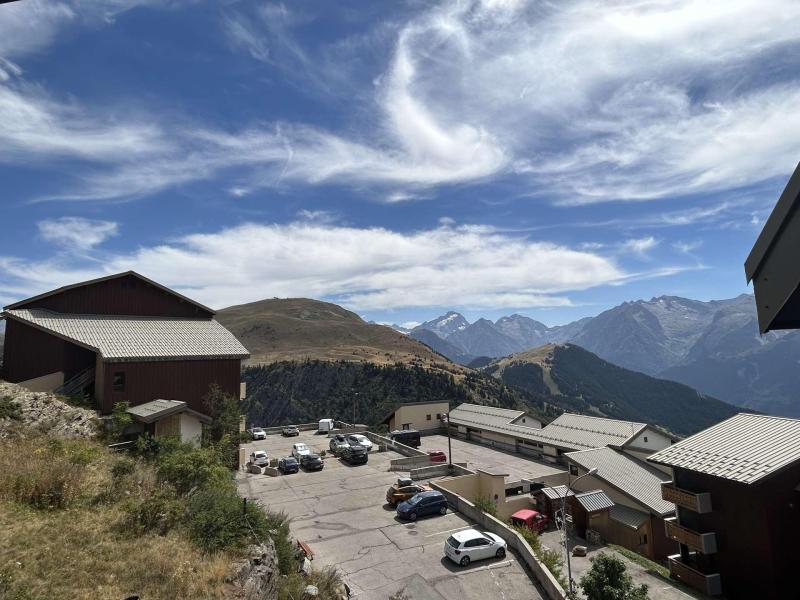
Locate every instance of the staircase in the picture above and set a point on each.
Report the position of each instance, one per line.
(76, 385)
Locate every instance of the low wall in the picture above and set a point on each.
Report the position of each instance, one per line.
(551, 587)
(396, 446)
(279, 428)
(440, 470)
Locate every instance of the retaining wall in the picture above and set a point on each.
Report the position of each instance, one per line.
(440, 470)
(551, 587)
(396, 446)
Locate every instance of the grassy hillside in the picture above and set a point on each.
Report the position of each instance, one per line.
(305, 391)
(300, 329)
(576, 380)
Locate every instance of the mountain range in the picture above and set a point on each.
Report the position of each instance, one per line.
(712, 346)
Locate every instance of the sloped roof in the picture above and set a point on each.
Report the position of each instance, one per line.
(594, 500)
(73, 286)
(631, 476)
(628, 516)
(557, 492)
(745, 448)
(488, 416)
(158, 409)
(125, 338)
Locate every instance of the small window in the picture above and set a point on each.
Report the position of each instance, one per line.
(643, 539)
(573, 470)
(438, 416)
(523, 419)
(427, 417)
(645, 439)
(118, 381)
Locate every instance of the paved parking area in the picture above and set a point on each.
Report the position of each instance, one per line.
(479, 456)
(341, 513)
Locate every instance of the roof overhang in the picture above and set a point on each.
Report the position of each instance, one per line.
(773, 265)
(155, 410)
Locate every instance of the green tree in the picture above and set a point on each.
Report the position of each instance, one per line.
(120, 419)
(223, 431)
(609, 580)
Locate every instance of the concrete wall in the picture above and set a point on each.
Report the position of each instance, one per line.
(419, 416)
(191, 429)
(396, 446)
(440, 470)
(551, 587)
(301, 427)
(45, 383)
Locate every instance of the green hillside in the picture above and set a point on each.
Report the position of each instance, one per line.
(576, 380)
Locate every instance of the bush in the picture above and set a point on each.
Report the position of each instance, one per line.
(550, 558)
(160, 511)
(122, 468)
(485, 504)
(215, 520)
(187, 468)
(120, 420)
(9, 409)
(278, 526)
(609, 580)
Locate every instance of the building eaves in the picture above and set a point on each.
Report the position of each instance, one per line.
(594, 501)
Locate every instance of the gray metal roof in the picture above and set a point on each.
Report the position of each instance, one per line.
(556, 492)
(569, 431)
(125, 338)
(158, 409)
(634, 478)
(628, 516)
(744, 448)
(594, 501)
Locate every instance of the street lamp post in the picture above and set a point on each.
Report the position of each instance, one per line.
(449, 447)
(564, 532)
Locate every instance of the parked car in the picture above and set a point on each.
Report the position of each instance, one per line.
(288, 465)
(311, 462)
(530, 519)
(354, 455)
(437, 456)
(338, 442)
(356, 439)
(464, 547)
(422, 504)
(259, 458)
(300, 450)
(403, 490)
(258, 433)
(290, 430)
(407, 437)
(325, 425)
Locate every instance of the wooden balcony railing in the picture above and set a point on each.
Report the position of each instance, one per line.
(708, 583)
(702, 542)
(699, 503)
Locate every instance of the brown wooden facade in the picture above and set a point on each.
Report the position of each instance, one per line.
(757, 527)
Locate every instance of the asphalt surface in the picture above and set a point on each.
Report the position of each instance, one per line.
(341, 513)
(479, 456)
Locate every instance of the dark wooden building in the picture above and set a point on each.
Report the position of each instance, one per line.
(737, 489)
(121, 338)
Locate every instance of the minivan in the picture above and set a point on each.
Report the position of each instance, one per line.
(325, 425)
(407, 437)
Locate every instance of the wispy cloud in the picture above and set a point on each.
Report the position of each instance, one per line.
(639, 246)
(76, 233)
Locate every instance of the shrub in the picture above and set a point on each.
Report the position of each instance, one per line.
(215, 520)
(9, 409)
(485, 504)
(120, 420)
(159, 511)
(550, 558)
(609, 580)
(122, 468)
(278, 526)
(187, 468)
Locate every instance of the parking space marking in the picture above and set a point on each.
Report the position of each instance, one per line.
(448, 531)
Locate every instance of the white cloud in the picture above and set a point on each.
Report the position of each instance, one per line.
(361, 268)
(687, 247)
(640, 246)
(77, 233)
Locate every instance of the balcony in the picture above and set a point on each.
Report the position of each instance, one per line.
(702, 542)
(699, 503)
(707, 583)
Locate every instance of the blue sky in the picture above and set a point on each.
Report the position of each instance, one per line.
(398, 158)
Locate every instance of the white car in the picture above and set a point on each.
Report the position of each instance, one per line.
(259, 458)
(258, 433)
(299, 450)
(469, 545)
(361, 440)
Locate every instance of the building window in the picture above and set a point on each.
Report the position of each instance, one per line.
(118, 381)
(406, 425)
(645, 439)
(643, 540)
(573, 470)
(438, 416)
(523, 419)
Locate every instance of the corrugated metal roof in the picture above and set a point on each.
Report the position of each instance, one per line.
(125, 338)
(628, 516)
(744, 448)
(569, 431)
(158, 409)
(556, 492)
(594, 501)
(631, 476)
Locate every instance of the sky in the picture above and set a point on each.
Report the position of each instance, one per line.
(401, 159)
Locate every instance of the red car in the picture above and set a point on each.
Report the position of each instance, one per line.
(530, 519)
(437, 456)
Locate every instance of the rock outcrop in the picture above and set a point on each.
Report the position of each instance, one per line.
(45, 413)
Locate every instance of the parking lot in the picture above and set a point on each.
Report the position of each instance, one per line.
(479, 456)
(341, 513)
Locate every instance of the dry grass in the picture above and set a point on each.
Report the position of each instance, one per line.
(77, 546)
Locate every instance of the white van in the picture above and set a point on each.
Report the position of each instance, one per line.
(325, 425)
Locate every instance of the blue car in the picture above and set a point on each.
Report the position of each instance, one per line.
(288, 465)
(422, 504)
